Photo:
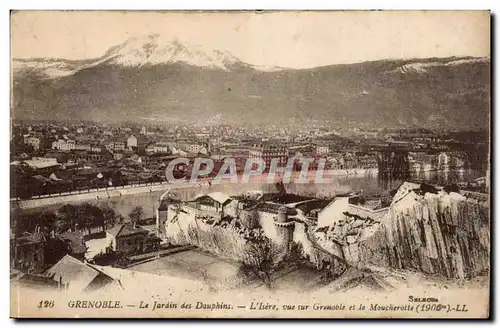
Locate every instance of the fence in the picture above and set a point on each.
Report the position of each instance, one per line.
(90, 190)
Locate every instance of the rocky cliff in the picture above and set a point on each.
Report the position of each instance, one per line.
(425, 229)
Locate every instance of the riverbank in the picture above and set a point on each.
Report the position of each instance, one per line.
(187, 190)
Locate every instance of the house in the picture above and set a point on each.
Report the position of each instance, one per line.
(76, 276)
(75, 242)
(193, 148)
(64, 145)
(118, 145)
(90, 155)
(267, 152)
(32, 141)
(82, 146)
(36, 282)
(215, 201)
(115, 145)
(322, 150)
(117, 155)
(28, 250)
(158, 147)
(96, 148)
(42, 165)
(443, 160)
(128, 238)
(131, 142)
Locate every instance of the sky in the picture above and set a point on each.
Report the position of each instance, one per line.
(287, 39)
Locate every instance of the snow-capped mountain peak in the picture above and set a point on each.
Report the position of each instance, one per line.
(422, 67)
(155, 50)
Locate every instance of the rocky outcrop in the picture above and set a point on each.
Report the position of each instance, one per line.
(441, 232)
(425, 229)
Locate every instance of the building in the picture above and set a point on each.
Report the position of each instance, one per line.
(194, 148)
(64, 145)
(76, 276)
(215, 202)
(27, 251)
(90, 155)
(95, 148)
(32, 141)
(158, 147)
(128, 238)
(75, 242)
(117, 156)
(267, 152)
(83, 146)
(322, 150)
(131, 142)
(119, 145)
(41, 165)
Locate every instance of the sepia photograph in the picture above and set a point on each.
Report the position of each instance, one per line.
(250, 164)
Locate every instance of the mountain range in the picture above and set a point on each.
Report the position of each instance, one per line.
(149, 78)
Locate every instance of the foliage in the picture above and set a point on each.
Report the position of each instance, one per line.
(250, 221)
(110, 257)
(136, 214)
(261, 258)
(67, 217)
(451, 188)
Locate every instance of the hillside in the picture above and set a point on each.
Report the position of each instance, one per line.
(153, 79)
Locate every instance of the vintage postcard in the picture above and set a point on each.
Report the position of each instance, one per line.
(315, 164)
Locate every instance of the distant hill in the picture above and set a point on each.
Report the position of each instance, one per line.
(153, 79)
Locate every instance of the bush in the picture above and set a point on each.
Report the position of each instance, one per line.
(451, 188)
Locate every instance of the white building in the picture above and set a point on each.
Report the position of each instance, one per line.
(194, 148)
(158, 147)
(82, 146)
(131, 142)
(322, 150)
(64, 145)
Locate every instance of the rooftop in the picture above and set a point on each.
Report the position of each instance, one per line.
(216, 196)
(75, 273)
(126, 229)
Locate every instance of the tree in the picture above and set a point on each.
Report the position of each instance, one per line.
(61, 225)
(69, 214)
(109, 216)
(120, 219)
(250, 220)
(261, 258)
(90, 216)
(136, 214)
(46, 222)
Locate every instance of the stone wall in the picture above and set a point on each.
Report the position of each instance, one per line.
(182, 228)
